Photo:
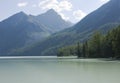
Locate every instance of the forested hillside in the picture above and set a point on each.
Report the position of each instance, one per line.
(98, 46)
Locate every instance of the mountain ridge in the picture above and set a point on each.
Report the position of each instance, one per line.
(21, 30)
(51, 21)
(107, 16)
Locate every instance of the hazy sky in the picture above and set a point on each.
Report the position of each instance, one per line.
(73, 10)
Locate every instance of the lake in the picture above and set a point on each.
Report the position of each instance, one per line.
(54, 70)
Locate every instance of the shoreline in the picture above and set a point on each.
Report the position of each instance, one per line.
(55, 57)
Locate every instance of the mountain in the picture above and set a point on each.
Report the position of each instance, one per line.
(18, 31)
(102, 19)
(53, 20)
(21, 30)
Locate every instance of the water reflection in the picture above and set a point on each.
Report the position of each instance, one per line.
(58, 71)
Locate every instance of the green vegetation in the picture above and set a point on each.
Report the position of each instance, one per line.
(68, 50)
(99, 46)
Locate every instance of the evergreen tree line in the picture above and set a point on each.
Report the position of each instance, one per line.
(99, 46)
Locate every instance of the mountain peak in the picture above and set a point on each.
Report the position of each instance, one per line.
(20, 16)
(53, 20)
(51, 11)
(21, 13)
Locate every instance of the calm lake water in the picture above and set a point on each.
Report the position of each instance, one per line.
(53, 70)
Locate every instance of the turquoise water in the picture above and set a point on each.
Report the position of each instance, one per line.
(53, 70)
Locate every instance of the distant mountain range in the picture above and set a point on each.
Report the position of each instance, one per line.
(21, 30)
(103, 19)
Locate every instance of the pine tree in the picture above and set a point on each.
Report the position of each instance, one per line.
(95, 45)
(116, 42)
(78, 50)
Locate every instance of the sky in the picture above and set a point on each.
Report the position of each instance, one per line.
(70, 10)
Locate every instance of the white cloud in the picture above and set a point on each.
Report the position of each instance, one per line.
(48, 4)
(22, 4)
(65, 5)
(58, 6)
(34, 5)
(64, 17)
(79, 14)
